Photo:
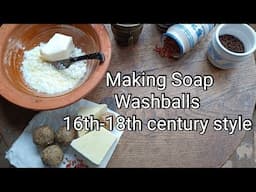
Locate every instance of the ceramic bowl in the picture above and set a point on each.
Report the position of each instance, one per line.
(17, 38)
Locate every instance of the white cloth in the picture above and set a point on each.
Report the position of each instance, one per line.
(24, 153)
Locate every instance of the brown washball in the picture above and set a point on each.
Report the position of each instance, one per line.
(43, 136)
(64, 137)
(52, 155)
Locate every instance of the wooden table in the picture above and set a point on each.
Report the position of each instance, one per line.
(233, 93)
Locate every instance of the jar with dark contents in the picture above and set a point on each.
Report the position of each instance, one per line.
(181, 38)
(231, 45)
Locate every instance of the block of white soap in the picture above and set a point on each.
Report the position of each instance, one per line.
(57, 48)
(95, 111)
(94, 145)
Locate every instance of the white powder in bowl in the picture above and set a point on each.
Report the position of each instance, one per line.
(45, 78)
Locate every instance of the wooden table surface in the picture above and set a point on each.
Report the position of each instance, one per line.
(233, 94)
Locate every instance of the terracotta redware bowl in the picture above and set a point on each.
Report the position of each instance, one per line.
(17, 38)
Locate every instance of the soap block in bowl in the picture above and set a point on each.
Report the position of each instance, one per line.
(57, 48)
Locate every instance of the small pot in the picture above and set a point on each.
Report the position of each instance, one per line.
(126, 34)
(224, 58)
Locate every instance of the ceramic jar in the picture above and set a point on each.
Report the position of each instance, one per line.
(222, 57)
(126, 34)
(187, 36)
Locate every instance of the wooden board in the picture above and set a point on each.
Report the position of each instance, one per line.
(233, 93)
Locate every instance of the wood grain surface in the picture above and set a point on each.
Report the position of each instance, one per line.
(233, 93)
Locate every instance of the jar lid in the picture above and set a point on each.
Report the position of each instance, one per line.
(128, 25)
